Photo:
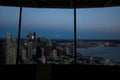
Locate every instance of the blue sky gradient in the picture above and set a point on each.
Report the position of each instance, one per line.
(98, 23)
(92, 23)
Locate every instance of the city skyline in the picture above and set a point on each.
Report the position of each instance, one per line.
(92, 23)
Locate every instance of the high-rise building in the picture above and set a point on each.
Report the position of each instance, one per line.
(43, 42)
(14, 51)
(30, 35)
(43, 37)
(43, 58)
(24, 58)
(55, 54)
(50, 43)
(71, 49)
(30, 50)
(8, 53)
(34, 34)
(67, 51)
(8, 38)
(11, 52)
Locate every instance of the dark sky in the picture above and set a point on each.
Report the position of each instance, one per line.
(92, 23)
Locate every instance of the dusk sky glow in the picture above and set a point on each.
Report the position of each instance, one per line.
(92, 23)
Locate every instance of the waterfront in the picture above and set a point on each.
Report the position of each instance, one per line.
(112, 53)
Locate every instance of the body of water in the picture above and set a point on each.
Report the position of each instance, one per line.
(112, 53)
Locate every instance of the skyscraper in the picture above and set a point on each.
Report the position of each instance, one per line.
(30, 35)
(11, 52)
(55, 54)
(24, 58)
(43, 58)
(14, 51)
(30, 50)
(67, 51)
(34, 34)
(43, 42)
(50, 43)
(8, 38)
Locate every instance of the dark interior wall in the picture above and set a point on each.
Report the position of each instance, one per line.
(58, 72)
(60, 3)
(18, 72)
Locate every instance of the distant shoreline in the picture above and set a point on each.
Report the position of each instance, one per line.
(85, 40)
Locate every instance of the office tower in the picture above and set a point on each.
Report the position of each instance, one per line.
(48, 49)
(11, 52)
(30, 35)
(14, 51)
(26, 46)
(8, 53)
(71, 49)
(34, 49)
(8, 38)
(38, 52)
(43, 42)
(34, 34)
(50, 43)
(30, 50)
(34, 52)
(55, 54)
(43, 58)
(43, 37)
(54, 45)
(47, 44)
(24, 58)
(43, 50)
(67, 50)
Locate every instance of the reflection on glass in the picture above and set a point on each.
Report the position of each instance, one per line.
(9, 17)
(98, 41)
(47, 36)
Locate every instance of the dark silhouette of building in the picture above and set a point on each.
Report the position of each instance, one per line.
(2, 52)
(34, 34)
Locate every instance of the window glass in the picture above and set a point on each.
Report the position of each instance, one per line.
(98, 36)
(47, 36)
(9, 17)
